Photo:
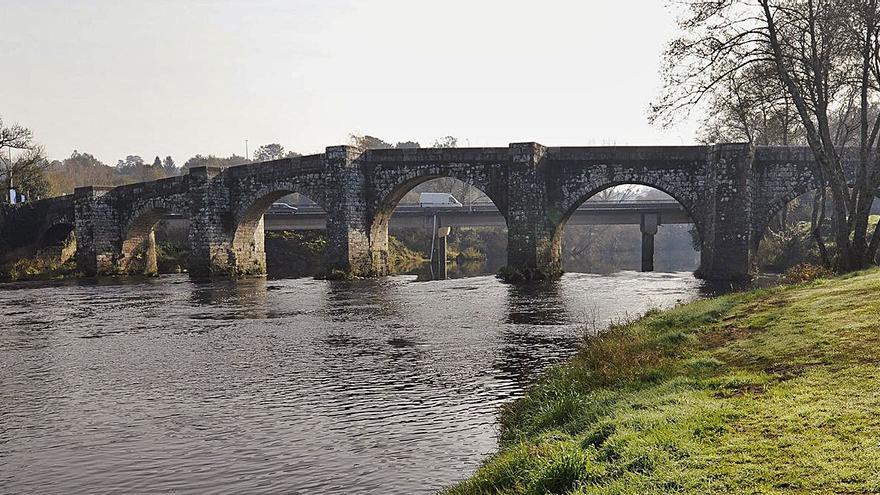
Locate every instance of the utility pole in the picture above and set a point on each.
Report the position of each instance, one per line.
(247, 155)
(9, 196)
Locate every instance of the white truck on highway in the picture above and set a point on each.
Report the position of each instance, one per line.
(438, 200)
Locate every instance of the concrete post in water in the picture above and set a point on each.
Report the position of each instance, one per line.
(649, 227)
(440, 256)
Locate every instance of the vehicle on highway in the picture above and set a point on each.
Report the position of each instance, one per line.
(438, 200)
(282, 208)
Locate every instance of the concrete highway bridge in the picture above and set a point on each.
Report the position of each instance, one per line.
(487, 215)
(729, 191)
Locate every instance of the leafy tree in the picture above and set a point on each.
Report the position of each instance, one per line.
(22, 162)
(368, 142)
(823, 56)
(169, 166)
(130, 162)
(81, 169)
(267, 152)
(446, 142)
(407, 145)
(136, 170)
(215, 161)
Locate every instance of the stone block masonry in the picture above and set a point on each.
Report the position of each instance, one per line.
(730, 192)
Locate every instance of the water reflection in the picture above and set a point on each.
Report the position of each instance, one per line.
(524, 353)
(246, 298)
(308, 386)
(368, 298)
(536, 304)
(460, 269)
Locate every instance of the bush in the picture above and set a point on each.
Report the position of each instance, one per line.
(806, 272)
(172, 257)
(783, 249)
(470, 254)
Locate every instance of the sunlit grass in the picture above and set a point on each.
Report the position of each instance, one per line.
(771, 391)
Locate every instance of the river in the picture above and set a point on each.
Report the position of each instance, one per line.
(295, 386)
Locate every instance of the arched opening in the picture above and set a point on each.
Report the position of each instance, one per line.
(48, 253)
(282, 234)
(623, 227)
(57, 235)
(58, 243)
(138, 253)
(786, 237)
(172, 243)
(410, 229)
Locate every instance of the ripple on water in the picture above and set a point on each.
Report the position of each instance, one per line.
(308, 386)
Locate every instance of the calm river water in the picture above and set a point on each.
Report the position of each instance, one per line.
(296, 386)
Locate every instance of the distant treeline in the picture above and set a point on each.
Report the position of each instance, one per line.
(83, 169)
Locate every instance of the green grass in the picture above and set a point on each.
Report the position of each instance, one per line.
(771, 391)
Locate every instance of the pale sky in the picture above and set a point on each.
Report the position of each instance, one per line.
(177, 78)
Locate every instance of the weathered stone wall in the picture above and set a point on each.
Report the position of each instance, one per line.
(730, 191)
(577, 174)
(727, 250)
(97, 229)
(209, 221)
(226, 210)
(390, 174)
(531, 249)
(23, 227)
(115, 227)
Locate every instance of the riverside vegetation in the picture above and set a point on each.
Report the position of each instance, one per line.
(769, 391)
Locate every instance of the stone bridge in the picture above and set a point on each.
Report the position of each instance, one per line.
(730, 191)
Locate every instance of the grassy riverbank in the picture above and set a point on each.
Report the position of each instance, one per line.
(771, 391)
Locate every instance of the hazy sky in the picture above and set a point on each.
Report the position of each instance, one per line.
(150, 78)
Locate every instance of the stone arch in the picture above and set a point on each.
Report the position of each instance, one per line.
(587, 191)
(766, 214)
(389, 197)
(137, 249)
(766, 211)
(247, 250)
(779, 194)
(55, 234)
(58, 240)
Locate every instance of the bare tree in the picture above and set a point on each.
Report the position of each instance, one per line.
(22, 162)
(825, 57)
(751, 107)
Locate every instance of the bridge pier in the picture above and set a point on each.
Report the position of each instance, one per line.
(348, 252)
(208, 237)
(97, 233)
(649, 227)
(729, 191)
(533, 251)
(727, 250)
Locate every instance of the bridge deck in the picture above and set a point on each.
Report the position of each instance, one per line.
(487, 215)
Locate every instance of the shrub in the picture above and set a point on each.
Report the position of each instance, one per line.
(806, 272)
(470, 254)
